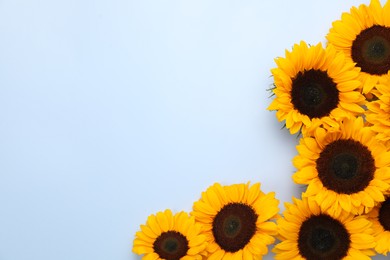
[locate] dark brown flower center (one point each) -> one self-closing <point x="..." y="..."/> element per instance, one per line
<point x="314" y="93"/>
<point x="234" y="226"/>
<point x="345" y="166"/>
<point x="371" y="50"/>
<point x="171" y="245"/>
<point x="384" y="214"/>
<point x="322" y="237"/>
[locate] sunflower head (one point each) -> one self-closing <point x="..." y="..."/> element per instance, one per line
<point x="380" y="218"/>
<point x="315" y="86"/>
<point x="345" y="169"/>
<point x="363" y="35"/>
<point x="170" y="237"/>
<point x="236" y="220"/>
<point x="308" y="232"/>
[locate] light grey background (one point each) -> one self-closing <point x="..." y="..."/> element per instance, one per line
<point x="111" y="110"/>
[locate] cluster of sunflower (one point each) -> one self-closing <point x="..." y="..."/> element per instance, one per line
<point x="337" y="98"/>
<point x="227" y="222"/>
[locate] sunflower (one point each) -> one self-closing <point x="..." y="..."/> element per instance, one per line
<point x="171" y="237"/>
<point x="378" y="113"/>
<point x="380" y="218"/>
<point x="363" y="35"/>
<point x="315" y="86"/>
<point x="235" y="220"/>
<point x="308" y="232"/>
<point x="345" y="168"/>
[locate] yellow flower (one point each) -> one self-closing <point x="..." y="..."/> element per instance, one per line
<point x="345" y="168"/>
<point x="308" y="232"/>
<point x="315" y="86"/>
<point x="378" y="112"/>
<point x="171" y="237"/>
<point x="235" y="220"/>
<point x="363" y="35"/>
<point x="380" y="218"/>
